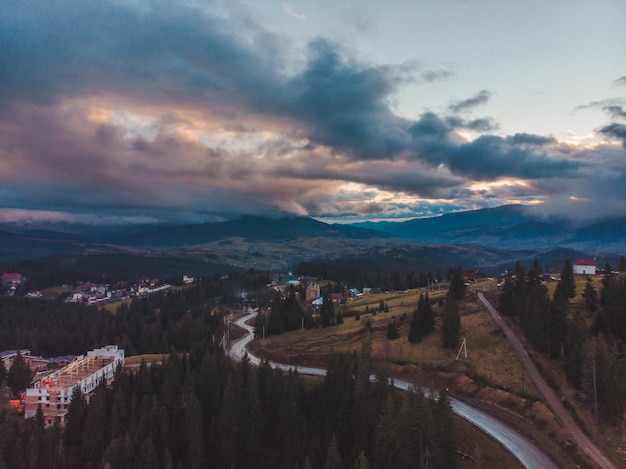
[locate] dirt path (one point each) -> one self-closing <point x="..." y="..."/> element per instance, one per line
<point x="553" y="401"/>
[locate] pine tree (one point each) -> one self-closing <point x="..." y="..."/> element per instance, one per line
<point x="195" y="453"/>
<point x="451" y="324"/>
<point x="590" y="296"/>
<point x="456" y="290"/>
<point x="333" y="458"/>
<point x="604" y="380"/>
<point x="94" y="436"/>
<point x="574" y="349"/>
<point x="328" y="312"/>
<point x="392" y="330"/>
<point x="556" y="322"/>
<point x="567" y="281"/>
<point x="3" y="374"/>
<point x="19" y="375"/>
<point x="148" y="457"/>
<point x="427" y="318"/>
<point x="414" y="329"/>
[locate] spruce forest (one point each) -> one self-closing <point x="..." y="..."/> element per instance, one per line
<point x="198" y="409"/>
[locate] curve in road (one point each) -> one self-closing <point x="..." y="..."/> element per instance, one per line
<point x="526" y="452"/>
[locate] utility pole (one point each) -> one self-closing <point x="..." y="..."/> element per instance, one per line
<point x="462" y="347"/>
<point x="593" y="365"/>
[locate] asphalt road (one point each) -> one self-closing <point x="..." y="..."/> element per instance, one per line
<point x="524" y="450"/>
<point x="551" y="399"/>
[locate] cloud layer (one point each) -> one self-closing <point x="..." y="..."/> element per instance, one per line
<point x="124" y="108"/>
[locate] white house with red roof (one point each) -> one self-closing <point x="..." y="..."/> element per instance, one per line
<point x="585" y="266"/>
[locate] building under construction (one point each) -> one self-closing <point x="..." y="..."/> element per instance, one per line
<point x="54" y="391"/>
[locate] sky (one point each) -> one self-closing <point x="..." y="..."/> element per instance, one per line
<point x="134" y="111"/>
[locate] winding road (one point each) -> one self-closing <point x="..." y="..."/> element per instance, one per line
<point x="550" y="397"/>
<point x="524" y="450"/>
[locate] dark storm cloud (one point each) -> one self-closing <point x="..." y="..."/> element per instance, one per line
<point x="344" y="105"/>
<point x="181" y="55"/>
<point x="331" y="111"/>
<point x="470" y="103"/>
<point x="154" y="51"/>
<point x="615" y="130"/>
<point x="489" y="156"/>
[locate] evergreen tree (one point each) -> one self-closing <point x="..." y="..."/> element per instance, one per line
<point x="556" y="322"/>
<point x="195" y="453"/>
<point x="3" y="374"/>
<point x="275" y="323"/>
<point x="339" y="318"/>
<point x="567" y="281"/>
<point x="614" y="305"/>
<point x="451" y="324"/>
<point x="422" y="320"/>
<point x="328" y="312"/>
<point x="514" y="296"/>
<point x="604" y="380"/>
<point x="574" y="349"/>
<point x="426" y="317"/>
<point x="392" y="330"/>
<point x="456" y="290"/>
<point x="96" y="425"/>
<point x="148" y="457"/>
<point x="444" y="434"/>
<point x="590" y="296"/>
<point x="536" y="314"/>
<point x="19" y="375"/>
<point x="414" y="327"/>
<point x="333" y="458"/>
<point x="260" y="324"/>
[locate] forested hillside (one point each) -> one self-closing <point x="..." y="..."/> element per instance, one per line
<point x="201" y="411"/>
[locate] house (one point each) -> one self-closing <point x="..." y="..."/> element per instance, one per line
<point x="35" y="363"/>
<point x="54" y="391"/>
<point x="12" y="279"/>
<point x="7" y="356"/>
<point x="293" y="280"/>
<point x="585" y="266"/>
<point x="337" y="298"/>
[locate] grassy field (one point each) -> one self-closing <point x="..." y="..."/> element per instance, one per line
<point x="490" y="359"/>
<point x="147" y="358"/>
<point x="491" y="372"/>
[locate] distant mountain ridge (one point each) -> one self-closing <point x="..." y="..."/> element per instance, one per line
<point x="512" y="227"/>
<point x="486" y="239"/>
<point x="248" y="227"/>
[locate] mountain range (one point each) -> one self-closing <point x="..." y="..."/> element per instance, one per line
<point x="489" y="239"/>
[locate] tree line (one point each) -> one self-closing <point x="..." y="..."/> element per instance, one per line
<point x="589" y="344"/>
<point x="373" y="275"/>
<point x="151" y="324"/>
<point x="200" y="410"/>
